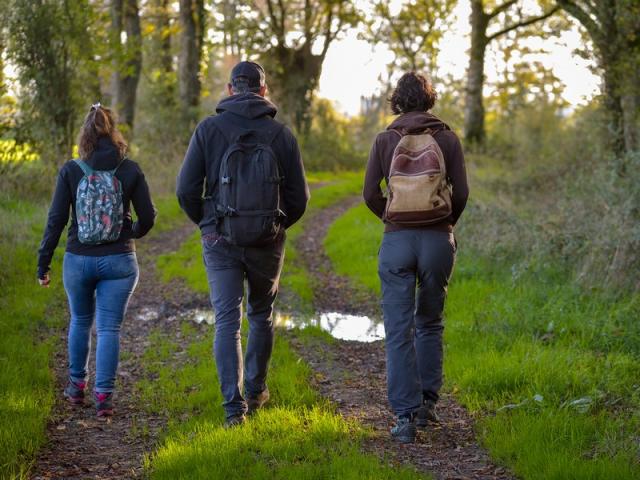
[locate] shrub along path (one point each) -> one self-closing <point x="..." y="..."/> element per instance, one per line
<point x="352" y="374"/>
<point x="81" y="446"/>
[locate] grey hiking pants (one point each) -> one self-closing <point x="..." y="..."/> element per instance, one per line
<point x="227" y="268"/>
<point x="413" y="321"/>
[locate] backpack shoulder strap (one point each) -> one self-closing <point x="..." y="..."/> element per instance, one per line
<point x="279" y="128"/>
<point x="113" y="172"/>
<point x="86" y="169"/>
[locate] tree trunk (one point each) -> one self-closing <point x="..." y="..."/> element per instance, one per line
<point x="133" y="63"/>
<point x="163" y="38"/>
<point x="125" y="17"/>
<point x="630" y="102"/>
<point x="474" y="108"/>
<point x="294" y="93"/>
<point x="192" y="31"/>
<point x="116" y="50"/>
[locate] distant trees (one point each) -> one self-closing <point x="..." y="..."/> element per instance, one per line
<point x="481" y="19"/>
<point x="614" y="28"/>
<point x="413" y="33"/>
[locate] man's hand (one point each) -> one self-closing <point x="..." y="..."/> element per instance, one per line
<point x="44" y="282"/>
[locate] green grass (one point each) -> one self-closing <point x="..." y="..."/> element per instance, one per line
<point x="299" y="435"/>
<point x="28" y="312"/>
<point x="550" y="370"/>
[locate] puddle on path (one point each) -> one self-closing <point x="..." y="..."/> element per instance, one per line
<point x="339" y="325"/>
<point x="198" y="315"/>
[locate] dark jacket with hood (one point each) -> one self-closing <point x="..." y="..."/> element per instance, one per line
<point x="134" y="190"/>
<point x="380" y="162"/>
<point x="198" y="176"/>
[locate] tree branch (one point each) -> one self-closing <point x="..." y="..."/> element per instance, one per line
<point x="499" y="9"/>
<point x="274" y="24"/>
<point x="523" y="23"/>
<point x="585" y="19"/>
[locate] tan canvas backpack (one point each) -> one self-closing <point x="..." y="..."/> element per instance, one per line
<point x="419" y="192"/>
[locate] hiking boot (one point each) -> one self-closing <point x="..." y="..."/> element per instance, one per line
<point x="74" y="392"/>
<point x="255" y="402"/>
<point x="235" y="420"/>
<point x="426" y="413"/>
<point x="405" y="429"/>
<point x="104" y="404"/>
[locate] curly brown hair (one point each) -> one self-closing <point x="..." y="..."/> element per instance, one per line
<point x="99" y="122"/>
<point x="413" y="93"/>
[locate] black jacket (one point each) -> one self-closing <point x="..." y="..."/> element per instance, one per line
<point x="134" y="190"/>
<point x="199" y="173"/>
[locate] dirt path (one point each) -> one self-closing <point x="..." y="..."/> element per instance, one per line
<point x="352" y="374"/>
<point x="82" y="446"/>
<point x="332" y="292"/>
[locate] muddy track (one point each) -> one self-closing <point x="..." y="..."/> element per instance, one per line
<point x="82" y="446"/>
<point x="352" y="375"/>
<point x="332" y="292"/>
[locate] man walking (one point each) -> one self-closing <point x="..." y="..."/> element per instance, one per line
<point x="242" y="181"/>
<point x="422" y="162"/>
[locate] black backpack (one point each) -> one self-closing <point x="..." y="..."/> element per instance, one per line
<point x="248" y="189"/>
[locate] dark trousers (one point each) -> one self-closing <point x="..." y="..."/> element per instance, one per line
<point x="227" y="268"/>
<point x="413" y="321"/>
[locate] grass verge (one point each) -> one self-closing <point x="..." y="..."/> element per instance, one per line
<point x="551" y="370"/>
<point x="28" y="312"/>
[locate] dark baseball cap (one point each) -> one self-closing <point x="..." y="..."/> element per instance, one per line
<point x="248" y="75"/>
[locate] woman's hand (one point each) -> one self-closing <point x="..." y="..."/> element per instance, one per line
<point x="44" y="281"/>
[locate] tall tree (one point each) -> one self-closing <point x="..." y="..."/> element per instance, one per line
<point x="614" y="28"/>
<point x="125" y="19"/>
<point x="413" y="34"/>
<point x="291" y="38"/>
<point x="192" y="27"/>
<point x="481" y="19"/>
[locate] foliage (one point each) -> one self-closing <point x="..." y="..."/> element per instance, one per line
<point x="329" y="143"/>
<point x="52" y="49"/>
<point x="413" y="33"/>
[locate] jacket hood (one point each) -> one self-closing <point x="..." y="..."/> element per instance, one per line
<point x="414" y="122"/>
<point x="106" y="155"/>
<point x="247" y="105"/>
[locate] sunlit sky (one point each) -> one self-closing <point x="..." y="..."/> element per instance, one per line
<point x="353" y="67"/>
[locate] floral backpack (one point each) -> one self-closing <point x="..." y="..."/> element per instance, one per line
<point x="99" y="209"/>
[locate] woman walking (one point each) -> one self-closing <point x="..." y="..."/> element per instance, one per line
<point x="100" y="269"/>
<point x="422" y="162"/>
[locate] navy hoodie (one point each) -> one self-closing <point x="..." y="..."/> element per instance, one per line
<point x="134" y="190"/>
<point x="199" y="172"/>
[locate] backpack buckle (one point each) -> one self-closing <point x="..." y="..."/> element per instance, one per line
<point x="225" y="180"/>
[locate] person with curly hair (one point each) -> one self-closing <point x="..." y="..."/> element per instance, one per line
<point x="422" y="162"/>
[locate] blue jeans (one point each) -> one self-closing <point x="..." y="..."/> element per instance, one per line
<point x="227" y="268"/>
<point x="414" y="323"/>
<point x="100" y="287"/>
